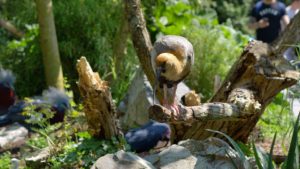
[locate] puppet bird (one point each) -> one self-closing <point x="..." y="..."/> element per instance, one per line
<point x="148" y="136"/>
<point x="172" y="58"/>
<point x="57" y="100"/>
<point x="7" y="92"/>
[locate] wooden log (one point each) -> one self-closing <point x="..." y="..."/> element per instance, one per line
<point x="99" y="108"/>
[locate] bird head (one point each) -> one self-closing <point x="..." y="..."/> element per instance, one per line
<point x="59" y="102"/>
<point x="57" y="98"/>
<point x="172" y="57"/>
<point x="7" y="78"/>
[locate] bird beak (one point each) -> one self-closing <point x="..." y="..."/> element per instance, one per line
<point x="158" y="73"/>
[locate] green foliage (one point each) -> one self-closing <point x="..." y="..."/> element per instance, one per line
<point x="292" y="160"/>
<point x="237" y="11"/>
<point x="70" y="148"/>
<point x="23" y="57"/>
<point x="216" y="46"/>
<point x="263" y="160"/>
<point x="84" y="28"/>
<point x="277" y="117"/>
<point x="83" y="152"/>
<point x="216" y="49"/>
<point x="5" y="160"/>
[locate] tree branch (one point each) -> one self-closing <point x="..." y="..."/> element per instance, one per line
<point x="11" y="28"/>
<point x="290" y="36"/>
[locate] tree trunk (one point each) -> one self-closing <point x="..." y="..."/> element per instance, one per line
<point x="48" y="42"/>
<point x="256" y="77"/>
<point x="120" y="43"/>
<point x="98" y="104"/>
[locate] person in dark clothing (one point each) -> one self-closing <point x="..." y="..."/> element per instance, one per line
<point x="266" y="17"/>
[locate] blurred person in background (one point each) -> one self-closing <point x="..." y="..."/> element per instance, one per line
<point x="266" y="17"/>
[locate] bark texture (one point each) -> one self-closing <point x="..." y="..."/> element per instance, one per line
<point x="290" y="36"/>
<point x="48" y="42"/>
<point x="256" y="77"/>
<point x="98" y="104"/>
<point x="141" y="39"/>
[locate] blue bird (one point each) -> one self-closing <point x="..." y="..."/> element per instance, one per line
<point x="148" y="136"/>
<point x="7" y="92"/>
<point x="56" y="99"/>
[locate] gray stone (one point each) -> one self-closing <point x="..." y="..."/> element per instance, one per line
<point x="38" y="158"/>
<point x="212" y="153"/>
<point x="176" y="157"/>
<point x="138" y="99"/>
<point x="12" y="136"/>
<point x="122" y="160"/>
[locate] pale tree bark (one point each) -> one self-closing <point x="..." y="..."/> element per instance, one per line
<point x="11" y="28"/>
<point x="48" y="42"/>
<point x="98" y="105"/>
<point x="257" y="76"/>
<point x="141" y="39"/>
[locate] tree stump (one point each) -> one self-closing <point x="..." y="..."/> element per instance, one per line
<point x="99" y="108"/>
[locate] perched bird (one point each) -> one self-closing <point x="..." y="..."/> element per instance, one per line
<point x="57" y="100"/>
<point x="7" y="92"/>
<point x="148" y="136"/>
<point x="172" y="58"/>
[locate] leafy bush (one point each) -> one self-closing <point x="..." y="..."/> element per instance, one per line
<point x="5" y="160"/>
<point x="84" y="28"/>
<point x="216" y="49"/>
<point x="23" y="57"/>
<point x="83" y="152"/>
<point x="278" y="117"/>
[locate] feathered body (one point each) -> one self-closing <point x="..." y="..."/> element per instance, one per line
<point x="59" y="102"/>
<point x="7" y="92"/>
<point x="172" y="58"/>
<point x="56" y="99"/>
<point x="147" y="136"/>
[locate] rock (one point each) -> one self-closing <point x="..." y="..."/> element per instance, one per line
<point x="38" y="159"/>
<point x="174" y="156"/>
<point x="139" y="97"/>
<point x="212" y="153"/>
<point x="12" y="136"/>
<point x="121" y="160"/>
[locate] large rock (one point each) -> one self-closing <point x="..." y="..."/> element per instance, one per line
<point x="212" y="153"/>
<point x="12" y="136"/>
<point x="121" y="160"/>
<point x="138" y="99"/>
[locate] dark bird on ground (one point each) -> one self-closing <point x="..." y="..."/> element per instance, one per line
<point x="56" y="100"/>
<point x="7" y="92"/>
<point x="148" y="136"/>
<point x="172" y="58"/>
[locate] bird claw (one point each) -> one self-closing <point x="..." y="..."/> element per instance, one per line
<point x="174" y="110"/>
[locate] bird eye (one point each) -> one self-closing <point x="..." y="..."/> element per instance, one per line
<point x="189" y="57"/>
